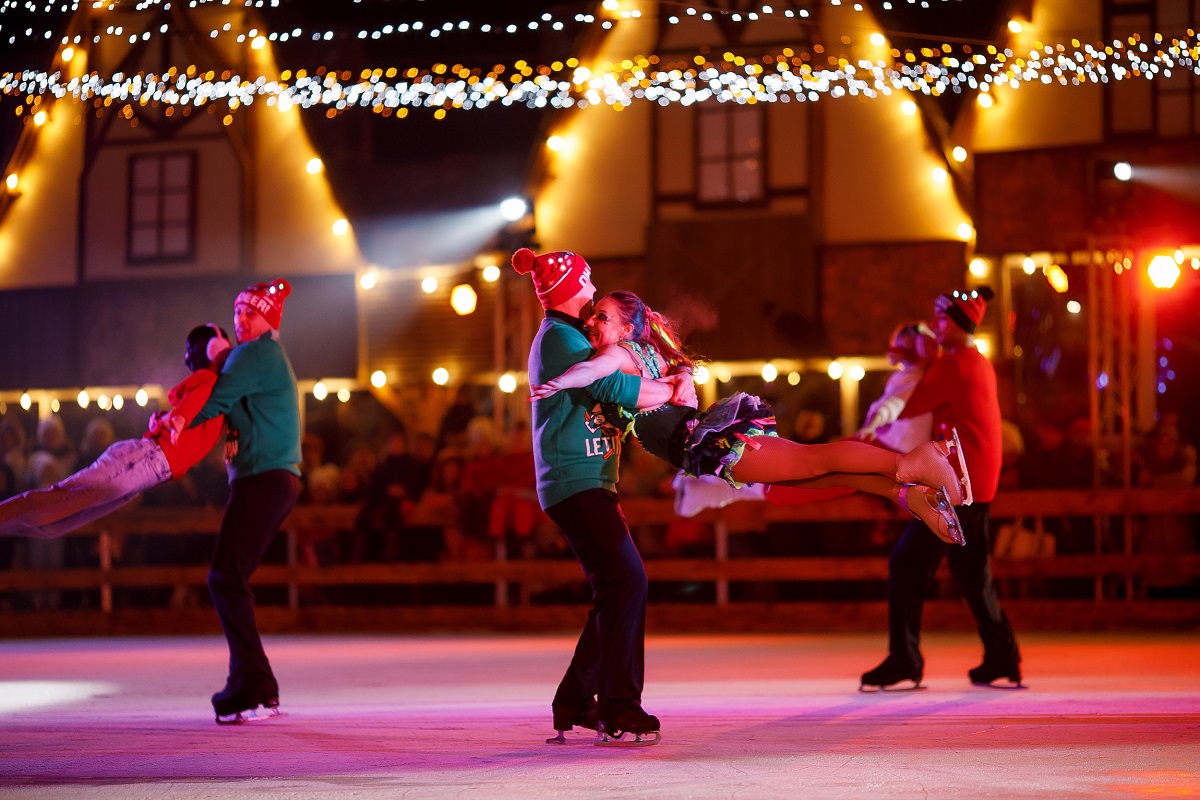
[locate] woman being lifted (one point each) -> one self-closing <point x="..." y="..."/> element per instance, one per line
<point x="735" y="438"/>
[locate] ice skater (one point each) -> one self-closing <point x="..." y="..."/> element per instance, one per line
<point x="735" y="439"/>
<point x="131" y="466"/>
<point x="576" y="450"/>
<point x="256" y="392"/>
<point x="960" y="391"/>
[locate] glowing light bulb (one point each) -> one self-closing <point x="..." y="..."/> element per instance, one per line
<point x="701" y="375"/>
<point x="68" y="53"/>
<point x="340" y="226"/>
<point x="556" y="143"/>
<point x="83" y="399"/>
<point x="769" y="372"/>
<point x="259" y="42"/>
<point x="793" y="379"/>
<point x="507" y="383"/>
<point x="39" y="118"/>
<point x="103" y="402"/>
<point x="314" y="166"/>
<point x="429" y="285"/>
<point x="26" y="401"/>
<point x="12" y="181"/>
<point x="463" y="299"/>
<point x="343" y="395"/>
<point x="1015" y="26"/>
<point x="908" y="107"/>
<point x="978" y="267"/>
<point x="959" y="154"/>
<point x="856" y="372"/>
<point x="1074" y="307"/>
<point x="1122" y="170"/>
<point x="441" y="376"/>
<point x="368" y="280"/>
<point x="965" y="231"/>
<point x="118" y="402"/>
<point x="1163" y="272"/>
<point x="55" y="405"/>
<point x="985" y="100"/>
<point x="1028" y="266"/>
<point x="378" y="379"/>
<point x="141" y="397"/>
<point x="491" y="273"/>
<point x="939" y="175"/>
<point x="320" y="390"/>
<point x="878" y="39"/>
<point x="835" y="369"/>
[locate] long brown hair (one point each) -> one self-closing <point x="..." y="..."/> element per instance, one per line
<point x="650" y="327"/>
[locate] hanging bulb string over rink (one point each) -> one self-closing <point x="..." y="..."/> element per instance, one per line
<point x="786" y="76"/>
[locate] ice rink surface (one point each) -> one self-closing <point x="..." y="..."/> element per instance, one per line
<point x="466" y="716"/>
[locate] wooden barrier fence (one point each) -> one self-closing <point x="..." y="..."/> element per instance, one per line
<point x="1112" y="511"/>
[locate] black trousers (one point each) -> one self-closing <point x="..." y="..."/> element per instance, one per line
<point x="258" y="505"/>
<point x="609" y="659"/>
<point x="911" y="568"/>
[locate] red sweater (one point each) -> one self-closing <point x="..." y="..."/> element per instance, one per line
<point x="188" y="397"/>
<point x="960" y="390"/>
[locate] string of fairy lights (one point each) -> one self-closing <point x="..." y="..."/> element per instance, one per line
<point x="785" y="76"/>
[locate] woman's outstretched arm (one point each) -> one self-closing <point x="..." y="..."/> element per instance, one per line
<point x="607" y="360"/>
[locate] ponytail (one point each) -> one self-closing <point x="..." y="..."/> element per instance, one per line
<point x="662" y="335"/>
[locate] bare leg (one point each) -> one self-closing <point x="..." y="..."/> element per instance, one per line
<point x="783" y="461"/>
<point x="871" y="484"/>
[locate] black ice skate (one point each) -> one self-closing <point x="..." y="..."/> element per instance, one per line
<point x="987" y="673"/>
<point x="640" y="728"/>
<point x="241" y="698"/>
<point x="892" y="676"/>
<point x="567" y="718"/>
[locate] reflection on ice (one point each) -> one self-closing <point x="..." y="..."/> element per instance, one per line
<point x="25" y="695"/>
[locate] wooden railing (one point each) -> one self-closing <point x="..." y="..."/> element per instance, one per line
<point x="1112" y="511"/>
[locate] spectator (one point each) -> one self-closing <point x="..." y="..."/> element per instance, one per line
<point x="453" y="428"/>
<point x="1166" y="462"/>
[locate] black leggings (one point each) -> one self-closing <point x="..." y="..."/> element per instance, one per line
<point x="609" y="659"/>
<point x="258" y="505"/>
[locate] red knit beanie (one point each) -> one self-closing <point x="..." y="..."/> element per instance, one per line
<point x="557" y="277"/>
<point x="267" y="299"/>
<point x="965" y="308"/>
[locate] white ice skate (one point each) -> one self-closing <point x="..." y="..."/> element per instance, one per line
<point x="626" y="739"/>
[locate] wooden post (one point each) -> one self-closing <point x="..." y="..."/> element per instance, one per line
<point x="721" y="537"/>
<point x="106" y="603"/>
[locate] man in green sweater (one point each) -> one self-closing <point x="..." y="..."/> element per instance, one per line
<point x="576" y="447"/>
<point x="256" y="391"/>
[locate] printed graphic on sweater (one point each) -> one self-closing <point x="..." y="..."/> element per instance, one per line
<point x="608" y="443"/>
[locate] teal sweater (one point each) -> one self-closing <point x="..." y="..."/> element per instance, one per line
<point x="256" y="391"/>
<point x="574" y="449"/>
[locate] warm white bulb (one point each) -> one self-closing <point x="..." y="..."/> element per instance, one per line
<point x="908" y="107"/>
<point x="378" y="379"/>
<point x="259" y="42"/>
<point x="878" y="39"/>
<point x="959" y="154"/>
<point x="1074" y="307"/>
<point x="340" y="226"/>
<point x="367" y="281"/>
<point x="513" y="209"/>
<point x="1028" y="266"/>
<point x="1123" y="171"/>
<point x="441" y="376"/>
<point x="793" y="379"/>
<point x="314" y="166"/>
<point x="463" y="299"/>
<point x="343" y="395"/>
<point x="701" y="375"/>
<point x="985" y="100"/>
<point x="555" y="143"/>
<point x="26" y="401"/>
<point x="939" y="175"/>
<point x="12" y="181"/>
<point x="118" y="402"/>
<point x="965" y="231"/>
<point x="83" y="398"/>
<point x="39" y="118"/>
<point x="1015" y="26"/>
<point x="320" y="390"/>
<point x="429" y="285"/>
<point x="507" y="383"/>
<point x="141" y="397"/>
<point x="491" y="273"/>
<point x="856" y="372"/>
<point x="978" y="267"/>
<point x="769" y="372"/>
<point x="835" y="369"/>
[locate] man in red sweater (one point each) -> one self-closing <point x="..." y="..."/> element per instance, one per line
<point x="960" y="390"/>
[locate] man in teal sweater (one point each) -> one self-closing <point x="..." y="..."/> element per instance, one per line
<point x="576" y="447"/>
<point x="256" y="391"/>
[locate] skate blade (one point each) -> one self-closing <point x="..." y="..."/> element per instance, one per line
<point x="956" y="532"/>
<point x="261" y="714"/>
<point x="636" y="739"/>
<point x="965" y="478"/>
<point x="914" y="686"/>
<point x="1008" y="686"/>
<point x="561" y="738"/>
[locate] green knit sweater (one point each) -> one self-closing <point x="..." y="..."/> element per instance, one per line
<point x="256" y="391"/>
<point x="574" y="447"/>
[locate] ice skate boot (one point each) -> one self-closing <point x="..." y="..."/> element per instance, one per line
<point x="567" y="718"/>
<point x="632" y="727"/>
<point x="933" y="464"/>
<point x="241" y="698"/>
<point x="934" y="510"/>
<point x="987" y="673"/>
<point x="888" y="676"/>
